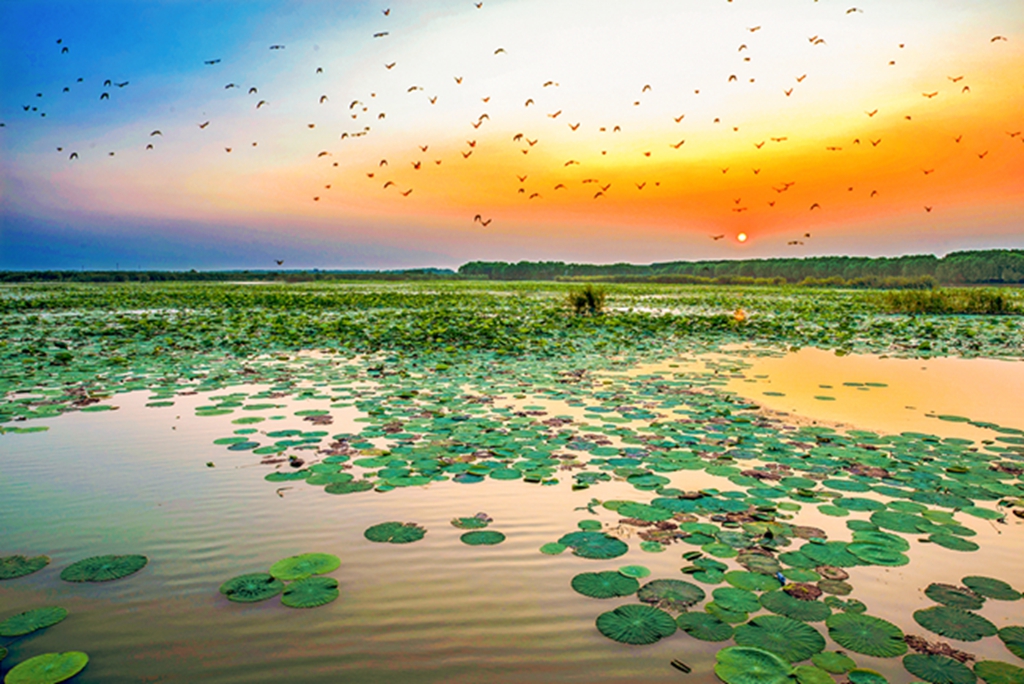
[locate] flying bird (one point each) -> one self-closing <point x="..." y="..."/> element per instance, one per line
<point x="380" y="35"/>
<point x="928" y="209"/>
<point x="500" y="50"/>
<point x="954" y="79"/>
<point x="815" y="206"/>
<point x="788" y="92"/>
<point x="279" y="262"/>
<point x="549" y="83"/>
<point x="156" y="132"/>
<point x="995" y="38"/>
<point x="555" y="115"/>
<point x="74" y="155"/>
<point x="204" y="124"/>
<point x="105" y="96"/>
<point x="872" y="113"/>
<point x="323" y="98"/>
<point x="211" y="62"/>
<point x="465" y="155"/>
<point x="522" y="179"/>
<point x="458" y="79"/>
<point x="645" y="88"/>
<point x="529" y="102"/>
<point x="253" y="90"/>
<point x="679" y="118"/>
<point x="574" y="126"/>
<point x="930" y="95"/>
<point x="390" y="66"/>
<point x="983" y="154"/>
<point x="677" y="145"/>
<point x="277" y="47"/>
<point x="388" y="184"/>
<point x="260" y="103"/>
<point x="386" y="11"/>
<point x="716" y="237"/>
<point x="874" y="143"/>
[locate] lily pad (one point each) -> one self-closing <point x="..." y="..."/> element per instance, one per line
<point x="957" y="597"/>
<point x="788" y="638"/>
<point x="19" y="566"/>
<point x="670" y="594"/>
<point x="482" y="538"/>
<point x="996" y="672"/>
<point x="861" y="675"/>
<point x="395" y="533"/>
<point x="305" y="565"/>
<point x="748" y="665"/>
<point x="833" y="661"/>
<point x="310" y="592"/>
<point x="809" y="674"/>
<point x="704" y="626"/>
<point x="103" y="568"/>
<point x="751" y="581"/>
<point x="605" y="584"/>
<point x="253" y="587"/>
<point x="31" y="621"/>
<point x="636" y="624"/>
<point x="471" y="523"/>
<point x="635" y="571"/>
<point x="866" y="634"/>
<point x="596" y="545"/>
<point x="805" y="611"/>
<point x="48" y="668"/>
<point x="938" y="669"/>
<point x="1013" y="637"/>
<point x="954" y="623"/>
<point x="991" y="588"/>
<point x="552" y="548"/>
<point x="738" y="600"/>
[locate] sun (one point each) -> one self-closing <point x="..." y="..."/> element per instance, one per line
<point x="742" y="237"/>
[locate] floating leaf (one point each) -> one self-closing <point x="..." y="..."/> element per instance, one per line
<point x="746" y="665"/>
<point x="1013" y="637"/>
<point x="482" y="538"/>
<point x="310" y="592"/>
<point x="751" y="581"/>
<point x="809" y="674"/>
<point x="31" y="621"/>
<point x="938" y="669"/>
<point x="991" y="588"/>
<point x="952" y="542"/>
<point x="738" y="600"/>
<point x="876" y="554"/>
<point x="48" y="668"/>
<point x="553" y="548"/>
<point x="19" y="566"/>
<point x="704" y="626"/>
<point x="954" y="623"/>
<point x="830" y="553"/>
<point x="103" y="568"/>
<point x="805" y="611"/>
<point x="833" y="661"/>
<point x="793" y="640"/>
<point x="957" y="597"/>
<point x="349" y="487"/>
<point x="472" y="523"/>
<point x="605" y="584"/>
<point x="671" y="594"/>
<point x="395" y="532"/>
<point x="253" y="587"/>
<point x="636" y="624"/>
<point x="300" y="567"/>
<point x="995" y="672"/>
<point x="864" y="676"/>
<point x="597" y="545"/>
<point x="635" y="571"/>
<point x="866" y="634"/>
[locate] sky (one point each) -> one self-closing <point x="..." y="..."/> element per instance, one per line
<point x="228" y="134"/>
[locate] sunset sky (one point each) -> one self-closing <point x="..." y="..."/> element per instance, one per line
<point x="878" y="127"/>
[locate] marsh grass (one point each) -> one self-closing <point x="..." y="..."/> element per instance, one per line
<point x="951" y="301"/>
<point x="587" y="301"/>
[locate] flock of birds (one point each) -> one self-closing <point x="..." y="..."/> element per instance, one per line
<point x="359" y="110"/>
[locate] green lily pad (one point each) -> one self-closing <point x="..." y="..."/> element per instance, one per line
<point x="737" y="600"/>
<point x="670" y="594"/>
<point x="748" y="665"/>
<point x="788" y="638"/>
<point x="780" y="602"/>
<point x="31" y="621"/>
<point x="482" y="538"/>
<point x="635" y="571"/>
<point x="395" y="532"/>
<point x="938" y="669"/>
<point x="636" y="624"/>
<point x="305" y="565"/>
<point x="833" y="661"/>
<point x="1013" y="637"/>
<point x="349" y="487"/>
<point x="704" y="626"/>
<point x="991" y="588"/>
<point x="310" y="592"/>
<point x="751" y="581"/>
<point x="809" y="674"/>
<point x="954" y="623"/>
<point x="48" y="668"/>
<point x="876" y="554"/>
<point x="605" y="584"/>
<point x="861" y="675"/>
<point x="253" y="587"/>
<point x="19" y="566"/>
<point x="952" y="542"/>
<point x="471" y="523"/>
<point x="552" y="548"/>
<point x="103" y="568"/>
<point x="596" y="545"/>
<point x="996" y="672"/>
<point x="866" y="634"/>
<point x="957" y="597"/>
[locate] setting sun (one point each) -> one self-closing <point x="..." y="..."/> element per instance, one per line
<point x="742" y="237"/>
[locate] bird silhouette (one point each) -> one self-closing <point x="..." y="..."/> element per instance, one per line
<point x="277" y="47"/>
<point x="982" y="155"/>
<point x="260" y="103"/>
<point x="407" y="192"/>
<point x="574" y="126"/>
<point x="253" y="90"/>
<point x="323" y="98"/>
<point x="279" y="262"/>
<point x="386" y="11"/>
<point x="815" y="206"/>
<point x="156" y="132"/>
<point x="928" y="209"/>
<point x="465" y="155"/>
<point x="995" y="38"/>
<point x="930" y="95"/>
<point x="788" y="92"/>
<point x="678" y="144"/>
<point x="716" y="237"/>
<point x="211" y="62"/>
<point x="74" y="155"/>
<point x="105" y="96"/>
<point x="529" y="102"/>
<point x="380" y="35"/>
<point x="522" y="179"/>
<point x="204" y="124"/>
<point x="800" y="79"/>
<point x="555" y="115"/>
<point x="874" y="143"/>
<point x="458" y="80"/>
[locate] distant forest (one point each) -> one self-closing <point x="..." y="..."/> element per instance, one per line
<point x="989" y="267"/>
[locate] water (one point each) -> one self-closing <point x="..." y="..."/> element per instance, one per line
<point x="135" y="480"/>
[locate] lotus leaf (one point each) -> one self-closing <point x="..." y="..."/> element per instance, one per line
<point x="597" y="545"/>
<point x="482" y="538"/>
<point x="300" y="567"/>
<point x="48" y="668"/>
<point x="809" y="674"/>
<point x="670" y="594"/>
<point x="954" y="623"/>
<point x="310" y="592"/>
<point x="643" y="512"/>
<point x="635" y="571"/>
<point x="894" y="541"/>
<point x="957" y="597"/>
<point x="866" y="634"/>
<point x="704" y="626"/>
<point x="349" y="487"/>
<point x="788" y="638"/>
<point x="19" y="566"/>
<point x="837" y="587"/>
<point x="733" y="617"/>
<point x="953" y="543"/>
<point x="938" y="669"/>
<point x="552" y="548"/>
<point x="805" y="611"/>
<point x="103" y="568"/>
<point x="833" y="661"/>
<point x="738" y="600"/>
<point x="864" y="676"/>
<point x="900" y="522"/>
<point x="760" y="563"/>
<point x="995" y="672"/>
<point x="605" y="584"/>
<point x="851" y="606"/>
<point x="32" y="620"/>
<point x="253" y="587"/>
<point x="636" y="624"/>
<point x="751" y="581"/>
<point x="1013" y="638"/>
<point x="876" y="554"/>
<point x="395" y="532"/>
<point x="830" y="553"/>
<point x="991" y="588"/>
<point x="747" y="665"/>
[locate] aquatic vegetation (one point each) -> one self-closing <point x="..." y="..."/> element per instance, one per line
<point x="596" y="545"/>
<point x="305" y="565"/>
<point x="482" y="538"/>
<point x="787" y="638"/>
<point x="956" y="597"/>
<point x="833" y="661"/>
<point x="748" y="665"/>
<point x="252" y="587"/>
<point x="103" y="568"/>
<point x="310" y="592"/>
<point x="31" y="621"/>
<point x="991" y="588"/>
<point x="19" y="566"/>
<point x="588" y="300"/>
<point x="604" y="584"/>
<point x="636" y="624"/>
<point x="954" y="623"/>
<point x="1013" y="637"/>
<point x="996" y="672"/>
<point x="704" y="626"/>
<point x="938" y="669"/>
<point x="866" y="634"/>
<point x="395" y="533"/>
<point x="48" y="668"/>
<point x="670" y="594"/>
